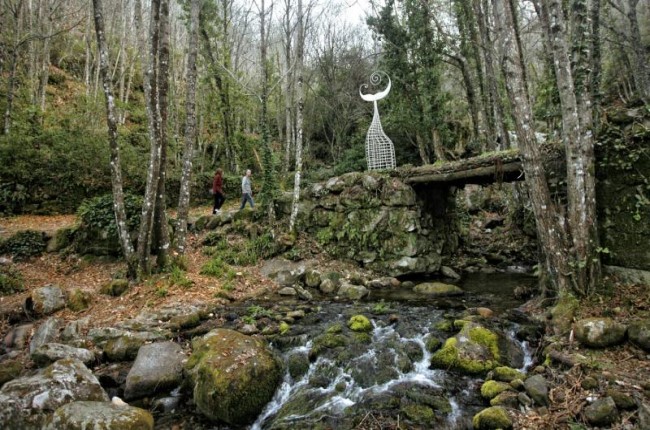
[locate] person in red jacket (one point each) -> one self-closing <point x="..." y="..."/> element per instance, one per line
<point x="217" y="190"/>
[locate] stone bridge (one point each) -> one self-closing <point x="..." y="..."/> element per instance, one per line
<point x="402" y="221"/>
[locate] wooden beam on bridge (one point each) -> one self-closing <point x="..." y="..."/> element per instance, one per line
<point x="479" y="175"/>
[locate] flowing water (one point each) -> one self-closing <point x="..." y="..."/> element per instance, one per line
<point x="386" y="376"/>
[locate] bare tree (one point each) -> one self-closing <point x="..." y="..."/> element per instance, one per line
<point x="116" y="169"/>
<point x="190" y="129"/>
<point x="300" y="95"/>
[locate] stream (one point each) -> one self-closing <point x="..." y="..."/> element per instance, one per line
<point x="384" y="376"/>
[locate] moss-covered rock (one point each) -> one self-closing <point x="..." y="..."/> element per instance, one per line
<point x="419" y="414"/>
<point x="233" y="375"/>
<point x="438" y="289"/>
<point x="490" y="389"/>
<point x="122" y="348"/>
<point x="115" y="288"/>
<point x="473" y="351"/>
<point x="492" y="418"/>
<point x="506" y="374"/>
<point x="9" y="369"/>
<point x="185" y="321"/>
<point x="599" y="332"/>
<point x="100" y="415"/>
<point x="563" y="313"/>
<point x="78" y="300"/>
<point x="360" y="323"/>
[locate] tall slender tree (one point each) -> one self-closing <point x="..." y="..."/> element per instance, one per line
<point x="190" y="129"/>
<point x="116" y="169"/>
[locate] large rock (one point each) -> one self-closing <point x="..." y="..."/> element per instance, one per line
<point x="46" y="300"/>
<point x="51" y="352"/>
<point x="537" y="388"/>
<point x="27" y="403"/>
<point x="158" y="367"/>
<point x="601" y="412"/>
<point x="475" y="350"/>
<point x="86" y="415"/>
<point x="45" y="333"/>
<point x="286" y="273"/>
<point x="599" y="332"/>
<point x="438" y="289"/>
<point x="492" y="418"/>
<point x="639" y="334"/>
<point x="352" y="292"/>
<point x="234" y="376"/>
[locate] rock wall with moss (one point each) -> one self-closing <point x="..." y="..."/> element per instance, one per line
<point x="623" y="190"/>
<point x="380" y="222"/>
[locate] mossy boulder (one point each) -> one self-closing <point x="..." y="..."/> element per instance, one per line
<point x="78" y="300"/>
<point x="419" y="414"/>
<point x="490" y="389"/>
<point x="115" y="288"/>
<point x="599" y="332"/>
<point x="506" y="374"/>
<point x="438" y="289"/>
<point x="639" y="334"/>
<point x="360" y="323"/>
<point x="100" y="415"/>
<point x="9" y="369"/>
<point x="601" y="413"/>
<point x="474" y="350"/>
<point x="234" y="376"/>
<point x="492" y="418"/>
<point x="27" y="403"/>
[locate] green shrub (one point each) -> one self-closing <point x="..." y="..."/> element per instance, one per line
<point x="10" y="281"/>
<point x="24" y="244"/>
<point x="97" y="213"/>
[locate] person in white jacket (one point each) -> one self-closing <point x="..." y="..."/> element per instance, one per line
<point x="246" y="190"/>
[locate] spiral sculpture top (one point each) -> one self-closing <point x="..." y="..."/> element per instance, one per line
<point x="375" y="79"/>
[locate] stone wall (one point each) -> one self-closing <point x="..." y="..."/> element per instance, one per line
<point x="380" y="222"/>
<point x="623" y="188"/>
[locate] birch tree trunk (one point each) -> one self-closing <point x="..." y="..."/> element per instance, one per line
<point x="160" y="238"/>
<point x="579" y="145"/>
<point x="549" y="220"/>
<point x="288" y="97"/>
<point x="300" y="94"/>
<point x="190" y="129"/>
<point x="11" y="80"/>
<point x="116" y="170"/>
<point x="150" y="68"/>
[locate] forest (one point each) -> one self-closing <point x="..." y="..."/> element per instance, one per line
<point x="497" y="277"/>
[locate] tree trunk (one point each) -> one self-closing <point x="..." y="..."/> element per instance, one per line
<point x="300" y="49"/>
<point x="116" y="170"/>
<point x="190" y="129"/>
<point x="150" y="68"/>
<point x="642" y="70"/>
<point x="548" y="217"/>
<point x="160" y="238"/>
<point x="11" y="80"/>
<point x="579" y="147"/>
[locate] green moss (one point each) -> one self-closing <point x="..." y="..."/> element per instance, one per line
<point x="507" y="374"/>
<point x="284" y="327"/>
<point x="115" y="288"/>
<point x="9" y="370"/>
<point x="494" y="417"/>
<point x="179" y="322"/>
<point x="364" y="338"/>
<point x="78" y="300"/>
<point x="490" y="389"/>
<point x="433" y="344"/>
<point x="335" y="328"/>
<point x="444" y="325"/>
<point x="360" y="323"/>
<point x="449" y="357"/>
<point x="485" y="337"/>
<point x="459" y="324"/>
<point x="419" y="413"/>
<point x="563" y="313"/>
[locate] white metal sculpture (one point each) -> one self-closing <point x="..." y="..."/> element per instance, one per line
<point x="380" y="152"/>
